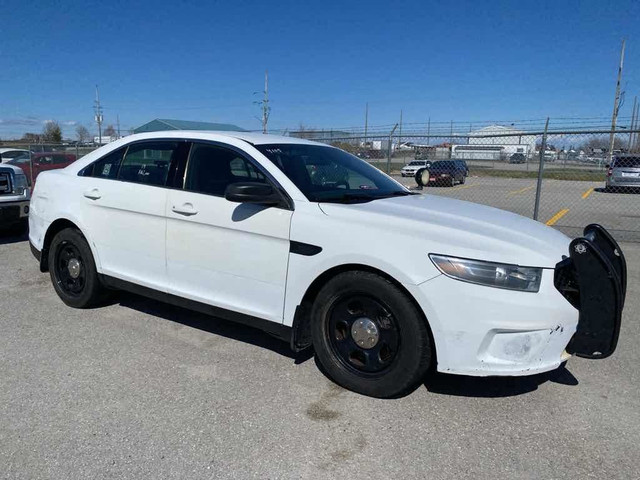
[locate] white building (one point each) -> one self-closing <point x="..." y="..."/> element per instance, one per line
<point x="495" y="142"/>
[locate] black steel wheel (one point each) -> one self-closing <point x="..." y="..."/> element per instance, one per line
<point x="73" y="270"/>
<point x="363" y="334"/>
<point x="71" y="274"/>
<point x="369" y="336"/>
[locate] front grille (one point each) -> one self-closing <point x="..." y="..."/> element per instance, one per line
<point x="5" y="183"/>
<point x="566" y="281"/>
<point x="9" y="213"/>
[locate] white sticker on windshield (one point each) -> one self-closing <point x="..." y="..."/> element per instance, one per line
<point x="106" y="169"/>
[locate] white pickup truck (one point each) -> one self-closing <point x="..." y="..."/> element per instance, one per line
<point x="14" y="196"/>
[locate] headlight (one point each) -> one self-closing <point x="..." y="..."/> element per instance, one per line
<point x="499" y="275"/>
<point x="21" y="184"/>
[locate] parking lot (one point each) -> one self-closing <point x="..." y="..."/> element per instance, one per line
<point x="140" y="389"/>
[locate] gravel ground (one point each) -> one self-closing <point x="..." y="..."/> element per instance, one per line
<point x="139" y="389"/>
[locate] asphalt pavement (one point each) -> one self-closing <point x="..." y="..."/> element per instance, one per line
<point x="139" y="389"/>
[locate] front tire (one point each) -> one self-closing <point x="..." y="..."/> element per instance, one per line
<point x="369" y="337"/>
<point x="73" y="270"/>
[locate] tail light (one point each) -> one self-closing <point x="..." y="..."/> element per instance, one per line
<point x="609" y="172"/>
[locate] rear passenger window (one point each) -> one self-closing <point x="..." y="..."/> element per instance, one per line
<point x="106" y="167"/>
<point x="148" y="163"/>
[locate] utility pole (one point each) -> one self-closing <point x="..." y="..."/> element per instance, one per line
<point x="400" y="132"/>
<point x="635" y="127"/>
<point x="118" y="123"/>
<point x="265" y="103"/>
<point x="633" y="122"/>
<point x="429" y="131"/>
<point x="98" y="115"/>
<point x="616" y="104"/>
<point x="366" y="123"/>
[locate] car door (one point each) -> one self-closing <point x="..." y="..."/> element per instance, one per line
<point x="226" y="254"/>
<point x="124" y="210"/>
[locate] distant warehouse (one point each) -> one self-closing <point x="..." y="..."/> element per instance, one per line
<point x="495" y="142"/>
<point x="161" y="124"/>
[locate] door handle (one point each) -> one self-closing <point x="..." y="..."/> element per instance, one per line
<point x="186" y="209"/>
<point x="93" y="194"/>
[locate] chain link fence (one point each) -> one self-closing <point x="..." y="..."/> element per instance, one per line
<point x="566" y="179"/>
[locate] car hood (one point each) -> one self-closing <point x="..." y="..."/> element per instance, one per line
<point x="458" y="228"/>
<point x="7" y="166"/>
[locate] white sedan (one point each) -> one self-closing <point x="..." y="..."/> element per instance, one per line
<point x="318" y="247"/>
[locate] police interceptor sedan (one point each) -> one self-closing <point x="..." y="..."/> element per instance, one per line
<point x="316" y="246"/>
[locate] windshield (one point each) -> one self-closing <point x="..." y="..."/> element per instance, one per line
<point x="416" y="163"/>
<point x="627" y="162"/>
<point x="14" y="155"/>
<point x="327" y="174"/>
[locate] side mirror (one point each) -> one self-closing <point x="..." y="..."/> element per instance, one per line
<point x="252" y="192"/>
<point x="607" y="166"/>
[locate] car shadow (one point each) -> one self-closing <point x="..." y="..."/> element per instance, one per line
<point x="8" y="236"/>
<point x="494" y="387"/>
<point x="210" y="324"/>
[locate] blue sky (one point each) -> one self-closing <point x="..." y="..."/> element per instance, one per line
<point x="460" y="60"/>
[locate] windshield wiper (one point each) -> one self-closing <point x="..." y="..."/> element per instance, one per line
<point x="350" y="198"/>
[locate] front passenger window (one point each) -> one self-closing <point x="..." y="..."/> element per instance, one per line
<point x="211" y="169"/>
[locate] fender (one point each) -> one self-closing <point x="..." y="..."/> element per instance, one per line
<point x="67" y="218"/>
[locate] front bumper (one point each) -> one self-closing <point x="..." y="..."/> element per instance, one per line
<point x="484" y="331"/>
<point x="13" y="212"/>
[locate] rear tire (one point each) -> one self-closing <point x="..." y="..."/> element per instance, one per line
<point x="73" y="270"/>
<point x="351" y="311"/>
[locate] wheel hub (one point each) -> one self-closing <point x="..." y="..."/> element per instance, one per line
<point x="365" y="333"/>
<point x="74" y="268"/>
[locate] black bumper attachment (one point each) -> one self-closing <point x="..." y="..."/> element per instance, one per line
<point x="594" y="280"/>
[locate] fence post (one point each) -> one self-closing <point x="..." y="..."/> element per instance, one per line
<point x="389" y="150"/>
<point x="543" y="147"/>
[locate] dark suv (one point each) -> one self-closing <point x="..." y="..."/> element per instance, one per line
<point x="444" y="172"/>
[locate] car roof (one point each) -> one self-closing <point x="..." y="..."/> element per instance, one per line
<point x="254" y="138"/>
<point x="4" y="150"/>
<point x="43" y="154"/>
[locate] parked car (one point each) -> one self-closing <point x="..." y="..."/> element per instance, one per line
<point x="517" y="158"/>
<point x="412" y="167"/>
<point x="234" y="225"/>
<point x="14" y="196"/>
<point x="43" y="161"/>
<point x="443" y="172"/>
<point x="624" y="172"/>
<point x="7" y="154"/>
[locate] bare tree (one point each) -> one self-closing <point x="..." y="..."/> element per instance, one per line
<point x="109" y="131"/>
<point x="602" y="143"/>
<point x="31" y="137"/>
<point x="83" y="134"/>
<point x="52" y="132"/>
